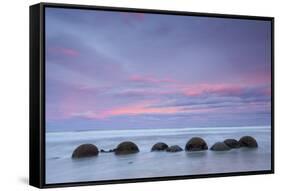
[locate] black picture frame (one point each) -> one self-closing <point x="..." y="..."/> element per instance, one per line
<point x="37" y="94"/>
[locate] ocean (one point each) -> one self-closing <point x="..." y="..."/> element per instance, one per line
<point x="60" y="168"/>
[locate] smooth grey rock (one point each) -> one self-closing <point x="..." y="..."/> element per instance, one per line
<point x="220" y="146"/>
<point x="232" y="143"/>
<point x="174" y="148"/>
<point x="85" y="150"/>
<point x="248" y="141"/>
<point x="159" y="147"/>
<point x="196" y="144"/>
<point x="126" y="147"/>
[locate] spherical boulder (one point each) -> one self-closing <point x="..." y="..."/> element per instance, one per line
<point x="248" y="141"/>
<point x="126" y="147"/>
<point x="85" y="150"/>
<point x="232" y="143"/>
<point x="220" y="146"/>
<point x="159" y="147"/>
<point x="196" y="144"/>
<point x="174" y="148"/>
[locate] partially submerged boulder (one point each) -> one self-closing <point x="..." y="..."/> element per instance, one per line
<point x="220" y="146"/>
<point x="248" y="141"/>
<point x="174" y="148"/>
<point x="232" y="143"/>
<point x="126" y="147"/>
<point x="159" y="147"/>
<point x="196" y="144"/>
<point x="85" y="150"/>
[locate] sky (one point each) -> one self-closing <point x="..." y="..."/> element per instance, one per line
<point x="114" y="70"/>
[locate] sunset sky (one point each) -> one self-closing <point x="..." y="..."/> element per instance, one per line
<point x="111" y="70"/>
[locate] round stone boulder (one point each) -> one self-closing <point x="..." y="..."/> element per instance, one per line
<point x="232" y="143"/>
<point x="85" y="150"/>
<point x="126" y="147"/>
<point x="220" y="146"/>
<point x="174" y="148"/>
<point x="159" y="147"/>
<point x="248" y="141"/>
<point x="196" y="144"/>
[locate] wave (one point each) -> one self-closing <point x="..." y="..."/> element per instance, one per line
<point x="101" y="134"/>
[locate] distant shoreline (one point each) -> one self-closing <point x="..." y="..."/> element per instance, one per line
<point x="169" y="129"/>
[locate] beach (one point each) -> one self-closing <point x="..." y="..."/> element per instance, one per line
<point x="61" y="168"/>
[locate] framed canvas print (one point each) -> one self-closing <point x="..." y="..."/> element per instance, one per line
<point x="121" y="95"/>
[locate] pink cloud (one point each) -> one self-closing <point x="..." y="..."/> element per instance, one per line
<point x="64" y="51"/>
<point x="150" y="79"/>
<point x="132" y="18"/>
<point x="92" y="108"/>
<point x="220" y="89"/>
<point x="135" y="16"/>
<point x="132" y="109"/>
<point x="140" y="108"/>
<point x="231" y="88"/>
<point x="257" y="78"/>
<point x="138" y="16"/>
<point x="171" y="86"/>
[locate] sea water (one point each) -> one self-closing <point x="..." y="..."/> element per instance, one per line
<point x="60" y="168"/>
